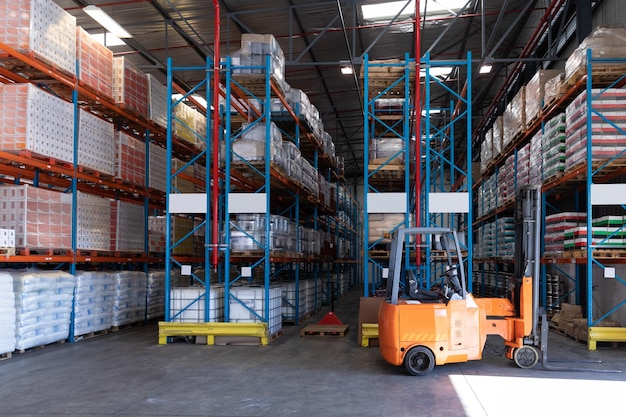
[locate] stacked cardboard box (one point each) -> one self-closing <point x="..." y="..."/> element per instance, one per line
<point x="95" y="64"/>
<point x="41" y="218"/>
<point x="603" y="42"/>
<point x="569" y="313"/>
<point x="514" y="118"/>
<point x="41" y="27"/>
<point x="96" y="146"/>
<point x="180" y="227"/>
<point x="536" y="96"/>
<point x="130" y="86"/>
<point x="157" y="108"/>
<point x="127" y="227"/>
<point x="24" y="109"/>
<point x="93" y="222"/>
<point x="157" y="175"/>
<point x="130" y="158"/>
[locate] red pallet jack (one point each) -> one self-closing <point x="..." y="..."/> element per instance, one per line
<point x="329" y="325"/>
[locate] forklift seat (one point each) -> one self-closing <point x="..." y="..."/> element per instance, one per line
<point x="420" y="294"/>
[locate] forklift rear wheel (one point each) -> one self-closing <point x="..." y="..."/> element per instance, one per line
<point x="419" y="361"/>
<point x="526" y="357"/>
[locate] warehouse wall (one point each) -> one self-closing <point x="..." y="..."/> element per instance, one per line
<point x="610" y="13"/>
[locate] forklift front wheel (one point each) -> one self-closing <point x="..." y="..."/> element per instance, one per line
<point x="526" y="357"/>
<point x="419" y="361"/>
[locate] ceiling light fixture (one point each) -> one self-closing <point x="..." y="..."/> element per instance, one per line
<point x="485" y="69"/>
<point x="106" y="21"/>
<point x="436" y="72"/>
<point x="107" y="39"/>
<point x="346" y="67"/>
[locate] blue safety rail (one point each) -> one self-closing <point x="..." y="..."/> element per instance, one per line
<point x="183" y="226"/>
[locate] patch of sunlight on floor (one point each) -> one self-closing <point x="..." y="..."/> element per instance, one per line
<point x="495" y="396"/>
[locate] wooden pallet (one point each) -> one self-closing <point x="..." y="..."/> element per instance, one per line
<point x="59" y="342"/>
<point x="5" y="356"/>
<point x="596" y="253"/>
<point x="602" y="75"/>
<point x="324" y="330"/>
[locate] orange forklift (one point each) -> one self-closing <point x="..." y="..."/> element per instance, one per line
<point x="421" y="327"/>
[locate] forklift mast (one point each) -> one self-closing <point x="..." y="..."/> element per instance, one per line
<point x="528" y="248"/>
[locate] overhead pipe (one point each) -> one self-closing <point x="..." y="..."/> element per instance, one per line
<point x="215" y="137"/>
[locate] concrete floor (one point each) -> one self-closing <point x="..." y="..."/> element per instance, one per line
<point x="127" y="374"/>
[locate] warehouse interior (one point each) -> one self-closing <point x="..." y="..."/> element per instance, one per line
<point x="200" y="207"/>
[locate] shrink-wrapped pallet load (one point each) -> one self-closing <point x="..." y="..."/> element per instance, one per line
<point x="43" y="303"/>
<point x="7" y="313"/>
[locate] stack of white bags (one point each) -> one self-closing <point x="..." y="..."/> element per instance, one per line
<point x="7" y="314"/>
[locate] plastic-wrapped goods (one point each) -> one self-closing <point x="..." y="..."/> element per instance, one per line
<point x="553" y="147"/>
<point x="535" y="160"/>
<point x="43" y="304"/>
<point x="180" y="183"/>
<point x="247" y="305"/>
<point x="156" y="291"/>
<point x="388" y="151"/>
<point x="93" y="214"/>
<point x="603" y="42"/>
<point x="509" y="169"/>
<point x="189" y="124"/>
<point x="291" y="150"/>
<point x="251" y="57"/>
<point x="130" y="158"/>
<point x="523" y="166"/>
<point x="505" y="236"/>
<point x="514" y="118"/>
<point x="556" y="225"/>
<point x="381" y="225"/>
<point x="41" y="218"/>
<point x="607" y="141"/>
<point x="157" y="174"/>
<point x="93" y="302"/>
<point x="199" y="173"/>
<point x="254" y="150"/>
<point x="498" y="136"/>
<point x="127" y="226"/>
<point x="96" y="145"/>
<point x="130" y="86"/>
<point x="180" y="227"/>
<point x="257" y="132"/>
<point x="536" y="97"/>
<point x="24" y="108"/>
<point x="486" y="151"/>
<point x="95" y="64"/>
<point x="41" y="27"/>
<point x="129" y="299"/>
<point x="157" y="96"/>
<point x="7" y="313"/>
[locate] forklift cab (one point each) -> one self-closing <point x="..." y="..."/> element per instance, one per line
<point x="405" y="283"/>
